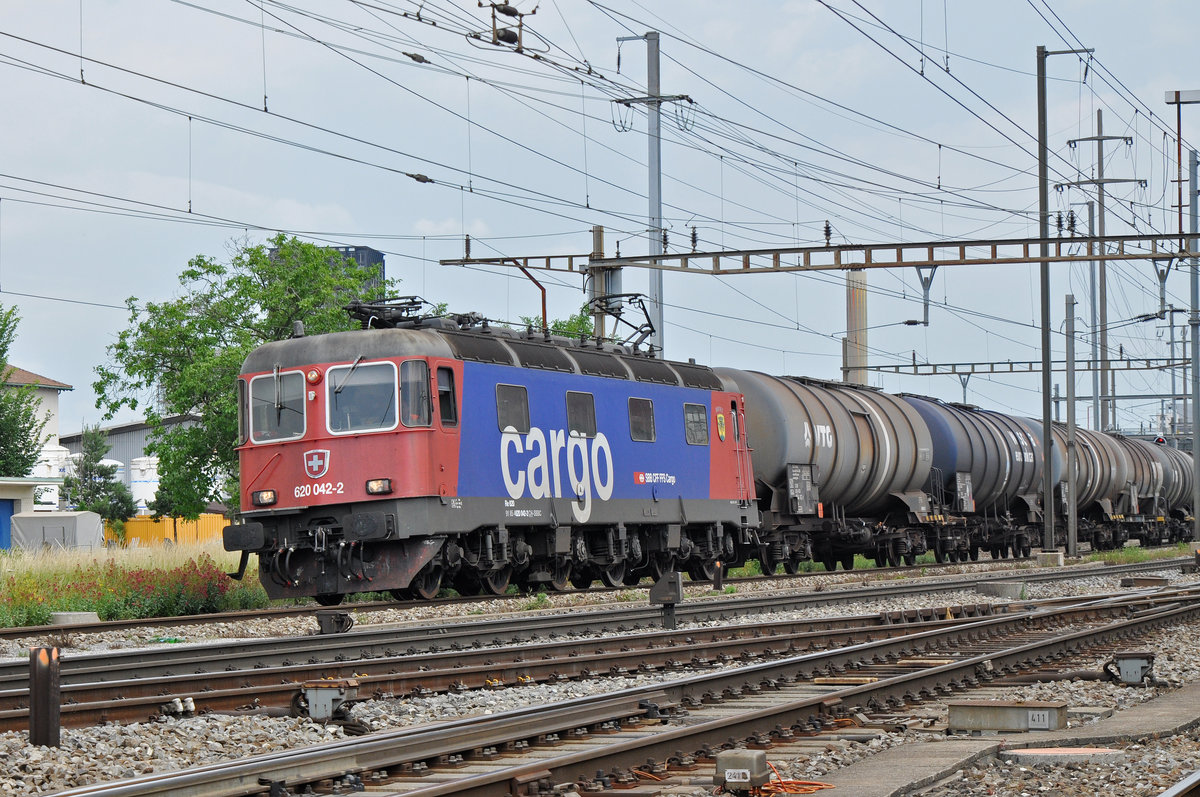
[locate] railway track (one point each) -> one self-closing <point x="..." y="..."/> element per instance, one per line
<point x="777" y="705"/>
<point x="133" y="685"/>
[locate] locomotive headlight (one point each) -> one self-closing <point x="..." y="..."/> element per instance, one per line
<point x="379" y="486"/>
<point x="313" y="376"/>
<point x="263" y="497"/>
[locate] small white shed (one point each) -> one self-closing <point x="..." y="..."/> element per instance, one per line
<point x="37" y="530"/>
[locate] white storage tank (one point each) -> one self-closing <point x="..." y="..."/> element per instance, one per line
<point x="53" y="464"/>
<point x="143" y="482"/>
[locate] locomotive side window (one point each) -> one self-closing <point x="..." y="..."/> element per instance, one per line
<point x="277" y="407"/>
<point x="695" y="422"/>
<point x="581" y="414"/>
<point x="415" y="409"/>
<point x="447" y="406"/>
<point x="512" y="408"/>
<point x="361" y="398"/>
<point x="641" y="420"/>
<point x="243" y="420"/>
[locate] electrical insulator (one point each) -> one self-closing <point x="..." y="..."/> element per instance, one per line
<point x="1059" y="223"/>
<point x="467" y="247"/>
<point x="828" y="233"/>
<point x="695" y="238"/>
<point x="664" y="240"/>
<point x="507" y="35"/>
<point x="1071" y="222"/>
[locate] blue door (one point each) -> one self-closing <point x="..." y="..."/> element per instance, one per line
<point x="6" y="513"/>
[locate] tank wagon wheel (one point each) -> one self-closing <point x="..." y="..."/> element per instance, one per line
<point x="329" y="599"/>
<point x="848" y="561"/>
<point x="1026" y="548"/>
<point x="613" y="575"/>
<point x="830" y="562"/>
<point x="791" y="566"/>
<point x="939" y="552"/>
<point x="496" y="582"/>
<point x="769" y="563"/>
<point x="427" y="583"/>
<point x="910" y="558"/>
<point x="974" y="552"/>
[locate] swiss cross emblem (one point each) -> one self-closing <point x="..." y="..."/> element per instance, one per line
<point x="316" y="462"/>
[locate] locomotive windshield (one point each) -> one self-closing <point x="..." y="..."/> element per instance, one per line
<point x="361" y="398"/>
<point x="277" y="407"/>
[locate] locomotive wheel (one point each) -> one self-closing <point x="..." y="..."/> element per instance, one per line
<point x="706" y="571"/>
<point x="560" y="576"/>
<point x="613" y="575"/>
<point x="848" y="561"/>
<point x="427" y="583"/>
<point x="329" y="599"/>
<point x="466" y="583"/>
<point x="496" y="582"/>
<point x="1026" y="548"/>
<point x="582" y="577"/>
<point x="830" y="562"/>
<point x="661" y="564"/>
<point x="939" y="553"/>
<point x="974" y="551"/>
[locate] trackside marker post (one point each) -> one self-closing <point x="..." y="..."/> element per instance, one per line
<point x="44" y="697"/>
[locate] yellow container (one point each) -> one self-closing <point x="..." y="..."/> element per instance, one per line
<point x="146" y="531"/>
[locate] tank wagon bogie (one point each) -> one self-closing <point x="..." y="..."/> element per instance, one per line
<point x="427" y="453"/>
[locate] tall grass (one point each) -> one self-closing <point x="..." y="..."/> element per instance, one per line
<point x="121" y="583"/>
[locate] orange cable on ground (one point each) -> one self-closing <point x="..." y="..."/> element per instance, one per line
<point x="781" y="786"/>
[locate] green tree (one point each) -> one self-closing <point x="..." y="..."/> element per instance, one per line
<point x="187" y="353"/>
<point x="93" y="486"/>
<point x="572" y="326"/>
<point x="21" y="422"/>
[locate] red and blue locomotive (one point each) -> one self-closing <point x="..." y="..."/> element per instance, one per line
<point x="426" y="453"/>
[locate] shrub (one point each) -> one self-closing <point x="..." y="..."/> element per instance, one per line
<point x="120" y="585"/>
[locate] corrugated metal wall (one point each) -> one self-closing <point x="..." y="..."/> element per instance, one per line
<point x="146" y="532"/>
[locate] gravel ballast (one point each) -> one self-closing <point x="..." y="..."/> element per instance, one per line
<point x="114" y="752"/>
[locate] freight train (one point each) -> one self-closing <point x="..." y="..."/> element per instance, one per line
<point x="417" y="453"/>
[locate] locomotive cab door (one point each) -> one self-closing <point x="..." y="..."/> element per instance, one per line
<point x="744" y="477"/>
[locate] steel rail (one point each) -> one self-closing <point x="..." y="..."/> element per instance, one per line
<point x="385" y="640"/>
<point x="252" y="775"/>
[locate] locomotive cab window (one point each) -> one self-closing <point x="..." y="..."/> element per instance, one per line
<point x="416" y="407"/>
<point x="695" y="424"/>
<point x="581" y="414"/>
<point x="641" y="420"/>
<point x="361" y="397"/>
<point x="447" y="404"/>
<point x="277" y="407"/>
<point x="512" y="408"/>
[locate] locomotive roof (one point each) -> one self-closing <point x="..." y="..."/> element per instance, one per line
<point x="498" y="346"/>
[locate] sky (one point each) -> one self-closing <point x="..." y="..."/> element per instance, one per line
<point x="140" y="135"/>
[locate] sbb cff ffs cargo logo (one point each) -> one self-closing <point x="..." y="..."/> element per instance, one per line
<point x="316" y="463"/>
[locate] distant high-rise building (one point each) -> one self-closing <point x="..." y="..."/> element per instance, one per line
<point x="366" y="256"/>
